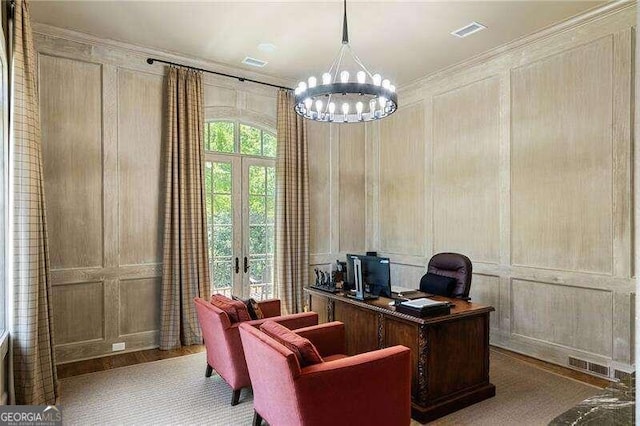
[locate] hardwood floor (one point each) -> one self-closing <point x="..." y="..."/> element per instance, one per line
<point x="122" y="360"/>
<point x="132" y="358"/>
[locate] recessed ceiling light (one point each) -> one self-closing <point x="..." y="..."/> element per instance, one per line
<point x="467" y="30"/>
<point x="267" y="47"/>
<point x="254" y="62"/>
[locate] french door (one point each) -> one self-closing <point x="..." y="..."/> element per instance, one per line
<point x="241" y="217"/>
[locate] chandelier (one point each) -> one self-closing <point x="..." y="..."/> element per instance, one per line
<point x="338" y="99"/>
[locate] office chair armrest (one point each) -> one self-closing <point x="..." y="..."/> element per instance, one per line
<point x="270" y="308"/>
<point x="328" y="338"/>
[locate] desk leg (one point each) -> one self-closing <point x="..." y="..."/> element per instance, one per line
<point x="422" y="365"/>
<point x="381" y="339"/>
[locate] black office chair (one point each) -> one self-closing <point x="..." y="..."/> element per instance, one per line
<point x="448" y="274"/>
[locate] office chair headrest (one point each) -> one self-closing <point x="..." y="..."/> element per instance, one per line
<point x="453" y="265"/>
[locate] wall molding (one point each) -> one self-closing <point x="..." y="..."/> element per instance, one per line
<point x="145" y="52"/>
<point x="570" y="263"/>
<point x="113" y="296"/>
<point x="597" y="13"/>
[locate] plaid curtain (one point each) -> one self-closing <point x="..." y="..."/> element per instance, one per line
<point x="292" y="205"/>
<point x="34" y="370"/>
<point x="185" y="271"/>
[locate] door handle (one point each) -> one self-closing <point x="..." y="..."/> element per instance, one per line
<point x="246" y="265"/>
<point x="237" y="265"/>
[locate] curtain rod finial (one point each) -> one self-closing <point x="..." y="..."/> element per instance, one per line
<point x="150" y="61"/>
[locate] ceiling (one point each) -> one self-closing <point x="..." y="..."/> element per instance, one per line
<point x="401" y="40"/>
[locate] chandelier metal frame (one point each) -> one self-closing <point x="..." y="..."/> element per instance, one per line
<point x="379" y="95"/>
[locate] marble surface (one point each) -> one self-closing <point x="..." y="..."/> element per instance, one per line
<point x="615" y="405"/>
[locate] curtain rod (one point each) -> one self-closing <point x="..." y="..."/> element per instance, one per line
<point x="152" y="60"/>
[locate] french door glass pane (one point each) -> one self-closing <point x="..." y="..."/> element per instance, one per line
<point x="222" y="178"/>
<point x="222" y="277"/>
<point x="219" y="187"/>
<point x="261" y="200"/>
<point x="271" y="180"/>
<point x="257" y="180"/>
<point x="257" y="209"/>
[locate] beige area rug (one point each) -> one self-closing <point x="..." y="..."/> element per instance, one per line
<point x="175" y="391"/>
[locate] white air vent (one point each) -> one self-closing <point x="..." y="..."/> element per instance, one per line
<point x="578" y="363"/>
<point x="599" y="369"/>
<point x="254" y="62"/>
<point x="467" y="30"/>
<point x="602" y="370"/>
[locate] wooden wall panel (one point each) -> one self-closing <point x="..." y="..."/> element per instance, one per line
<point x="352" y="188"/>
<point x="466" y="153"/>
<point x="485" y="289"/>
<point x="103" y="122"/>
<point x="402" y="181"/>
<point x="528" y="152"/>
<point x="215" y="96"/>
<point x="561" y="173"/>
<point x="407" y="275"/>
<point x="78" y="311"/>
<point x="319" y="188"/>
<point x="140" y="305"/>
<point x="71" y="110"/>
<point x="552" y="315"/>
<point x="140" y="172"/>
<point x="261" y="105"/>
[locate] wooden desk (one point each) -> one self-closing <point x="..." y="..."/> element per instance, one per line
<point x="449" y="354"/>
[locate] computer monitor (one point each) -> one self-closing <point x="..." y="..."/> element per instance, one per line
<point x="376" y="275"/>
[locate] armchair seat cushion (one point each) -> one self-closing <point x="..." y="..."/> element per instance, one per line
<point x="286" y="394"/>
<point x="303" y="349"/>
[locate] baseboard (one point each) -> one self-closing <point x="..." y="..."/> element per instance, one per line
<point x="588" y="376"/>
<point x="97" y="349"/>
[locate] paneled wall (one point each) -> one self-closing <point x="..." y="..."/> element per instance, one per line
<point x="102" y="124"/>
<point x="522" y="159"/>
<point x="337" y="192"/>
<point x="102" y="119"/>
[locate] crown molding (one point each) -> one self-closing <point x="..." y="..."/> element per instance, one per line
<point x="572" y="23"/>
<point x="145" y="52"/>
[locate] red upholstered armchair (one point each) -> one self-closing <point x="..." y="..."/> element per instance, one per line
<point x="372" y="388"/>
<point x="222" y="340"/>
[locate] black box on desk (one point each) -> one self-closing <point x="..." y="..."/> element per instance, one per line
<point x="425" y="311"/>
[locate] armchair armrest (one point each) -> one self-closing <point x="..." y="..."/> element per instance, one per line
<point x="384" y="372"/>
<point x="328" y="338"/>
<point x="303" y="319"/>
<point x="270" y="308"/>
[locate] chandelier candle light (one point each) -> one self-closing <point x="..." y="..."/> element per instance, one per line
<point x="367" y="98"/>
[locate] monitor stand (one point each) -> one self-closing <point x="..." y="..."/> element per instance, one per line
<point x="357" y="272"/>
